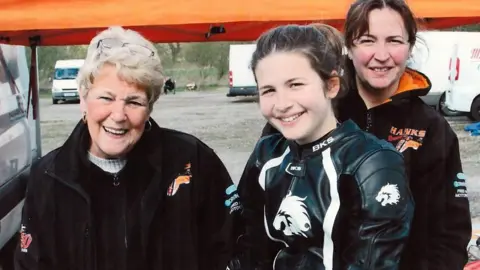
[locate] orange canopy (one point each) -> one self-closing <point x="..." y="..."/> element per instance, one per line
<point x="71" y="22"/>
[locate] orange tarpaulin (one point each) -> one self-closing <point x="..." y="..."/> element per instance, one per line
<point x="61" y="22"/>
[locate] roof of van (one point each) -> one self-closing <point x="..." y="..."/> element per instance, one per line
<point x="71" y="63"/>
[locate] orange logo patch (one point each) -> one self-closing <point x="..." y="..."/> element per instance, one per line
<point x="405" y="138"/>
<point x="182" y="179"/>
<point x="408" y="143"/>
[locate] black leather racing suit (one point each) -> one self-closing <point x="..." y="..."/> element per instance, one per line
<point x="341" y="202"/>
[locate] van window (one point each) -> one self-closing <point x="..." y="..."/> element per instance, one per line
<point x="66" y="73"/>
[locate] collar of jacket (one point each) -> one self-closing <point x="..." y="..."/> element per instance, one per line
<point x="71" y="159"/>
<point x="412" y="84"/>
<point x="342" y="130"/>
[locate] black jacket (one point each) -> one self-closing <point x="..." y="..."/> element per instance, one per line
<point x="441" y="228"/>
<point x="179" y="218"/>
<point x="341" y="202"/>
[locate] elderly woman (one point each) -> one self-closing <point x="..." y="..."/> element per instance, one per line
<point x="122" y="192"/>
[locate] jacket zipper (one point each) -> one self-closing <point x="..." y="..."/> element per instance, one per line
<point x="125" y="232"/>
<point x="369" y="121"/>
<point x="116" y="183"/>
<point x="86" y="247"/>
<point x="116" y="180"/>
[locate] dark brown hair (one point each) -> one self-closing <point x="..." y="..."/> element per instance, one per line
<point x="321" y="44"/>
<point x="356" y="23"/>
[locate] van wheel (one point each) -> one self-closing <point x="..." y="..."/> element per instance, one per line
<point x="444" y="109"/>
<point x="475" y="110"/>
<point x="54" y="101"/>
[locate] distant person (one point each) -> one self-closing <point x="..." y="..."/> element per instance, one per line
<point x="169" y="86"/>
<point x="385" y="101"/>
<point x="122" y="192"/>
<point x="318" y="194"/>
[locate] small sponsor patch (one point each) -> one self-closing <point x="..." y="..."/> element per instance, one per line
<point x="461" y="193"/>
<point x="323" y="144"/>
<point x="460" y="186"/>
<point x="182" y="179"/>
<point x="25" y="239"/>
<point x="232" y="200"/>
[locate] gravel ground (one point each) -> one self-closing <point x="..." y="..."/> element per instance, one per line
<point x="231" y="126"/>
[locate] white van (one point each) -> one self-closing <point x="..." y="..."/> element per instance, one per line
<point x="18" y="144"/>
<point x="464" y="93"/>
<point x="64" y="85"/>
<point x="241" y="79"/>
<point x="431" y="56"/>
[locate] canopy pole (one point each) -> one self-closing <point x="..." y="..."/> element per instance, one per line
<point x="33" y="91"/>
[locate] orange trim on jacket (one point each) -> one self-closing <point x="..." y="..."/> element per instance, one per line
<point x="411" y="80"/>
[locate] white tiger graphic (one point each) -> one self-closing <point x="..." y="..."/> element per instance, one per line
<point x="388" y="194"/>
<point x="292" y="217"/>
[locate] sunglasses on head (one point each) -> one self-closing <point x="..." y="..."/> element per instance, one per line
<point x="110" y="43"/>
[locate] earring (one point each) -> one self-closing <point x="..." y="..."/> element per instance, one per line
<point x="148" y="125"/>
<point x="84" y="117"/>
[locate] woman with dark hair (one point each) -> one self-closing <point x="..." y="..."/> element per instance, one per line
<point x="379" y="36"/>
<point x="320" y="194"/>
<point x="385" y="101"/>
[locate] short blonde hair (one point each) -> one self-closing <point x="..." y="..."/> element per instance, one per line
<point x="136" y="59"/>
